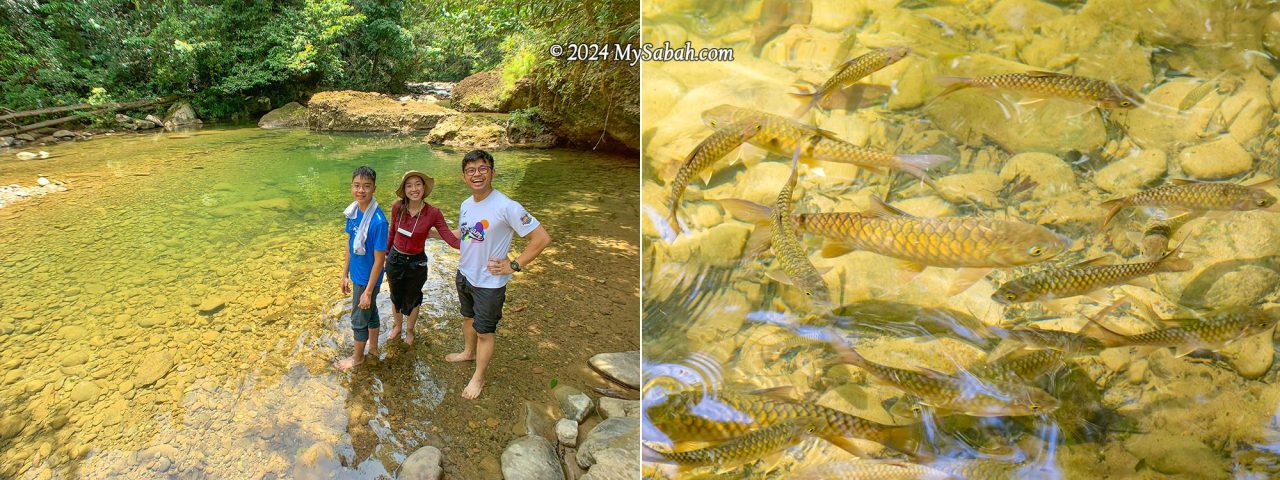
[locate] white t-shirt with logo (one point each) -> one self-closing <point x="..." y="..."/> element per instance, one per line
<point x="486" y="228"/>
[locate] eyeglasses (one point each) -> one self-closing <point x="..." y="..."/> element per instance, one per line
<point x="483" y="169"/>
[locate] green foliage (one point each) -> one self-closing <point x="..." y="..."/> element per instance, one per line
<point x="525" y="122"/>
<point x="99" y="96"/>
<point x="233" y="57"/>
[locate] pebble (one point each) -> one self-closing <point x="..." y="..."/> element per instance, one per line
<point x="567" y="432"/>
<point x="75" y="358"/>
<point x="538" y="370"/>
<point x="1133" y="172"/>
<point x="85" y="391"/>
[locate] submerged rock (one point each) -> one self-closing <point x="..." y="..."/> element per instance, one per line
<point x="531" y="458"/>
<point x="153" y="367"/>
<point x="622" y="367"/>
<point x="1252" y="357"/>
<point x="1131" y="173"/>
<point x="1216" y="160"/>
<point x="423" y="464"/>
<point x="1236" y="258"/>
<point x="1178" y="455"/>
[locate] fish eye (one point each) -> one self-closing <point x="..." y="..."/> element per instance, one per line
<point x="1035" y="407"/>
<point x="1035" y="251"/>
<point x="1126" y="104"/>
<point x="1262" y="202"/>
<point x="1010" y="296"/>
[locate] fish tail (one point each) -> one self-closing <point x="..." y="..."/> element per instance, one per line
<point x="917" y="166"/>
<point x="1109" y="337"/>
<point x="746" y="210"/>
<point x="810" y="90"/>
<point x="674" y="223"/>
<point x="1113" y="207"/>
<point x="904" y="438"/>
<point x="846" y="355"/>
<point x="1171" y="262"/>
<point x="953" y="83"/>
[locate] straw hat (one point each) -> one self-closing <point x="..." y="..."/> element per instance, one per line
<point x="427" y="182"/>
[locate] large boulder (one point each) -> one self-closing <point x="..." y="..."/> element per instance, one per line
<point x="291" y="115"/>
<point x="604" y="116"/>
<point x="616" y="432"/>
<point x="352" y="111"/>
<point x="181" y="115"/>
<point x="469" y="131"/>
<point x="479" y="92"/>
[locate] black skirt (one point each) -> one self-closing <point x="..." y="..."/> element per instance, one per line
<point x="406" y="274"/>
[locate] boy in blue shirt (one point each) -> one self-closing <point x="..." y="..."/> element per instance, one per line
<point x="367" y="230"/>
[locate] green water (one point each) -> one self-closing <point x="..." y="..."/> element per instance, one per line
<point x="716" y="318"/>
<point x="176" y="311"/>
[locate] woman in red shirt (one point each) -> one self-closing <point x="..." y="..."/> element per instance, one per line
<point x="411" y="219"/>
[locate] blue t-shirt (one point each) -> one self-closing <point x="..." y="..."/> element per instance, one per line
<point x="374" y="241"/>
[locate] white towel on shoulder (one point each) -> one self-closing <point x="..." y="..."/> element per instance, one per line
<point x="362" y="231"/>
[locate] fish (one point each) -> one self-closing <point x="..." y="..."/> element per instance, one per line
<point x="849" y="73"/>
<point x="987" y="469"/>
<point x="962" y="393"/>
<point x="1071" y="343"/>
<point x="864" y="469"/>
<point x="746" y="448"/>
<point x="694" y="415"/>
<point x="1212" y="332"/>
<point x="781" y="135"/>
<point x="1155" y="235"/>
<point x="954" y="242"/>
<point x="1083" y="278"/>
<point x="1198" y="196"/>
<point x="1023" y="367"/>
<point x="1049" y="84"/>
<point x="790" y="252"/>
<point x="718" y="144"/>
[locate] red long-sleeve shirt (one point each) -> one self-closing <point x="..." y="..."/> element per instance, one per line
<point x="419" y="225"/>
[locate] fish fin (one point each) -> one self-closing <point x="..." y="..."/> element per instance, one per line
<point x="746" y="210"/>
<point x="1184" y="350"/>
<point x="1134" y="237"/>
<point x="952" y="84"/>
<point x="1092" y="261"/>
<point x="967" y="278"/>
<point x="917" y="165"/>
<point x="1264" y="183"/>
<point x="831" y="249"/>
<point x="826" y="134"/>
<point x="1183" y="181"/>
<point x="810" y="91"/>
<point x="1030" y="101"/>
<point x="674" y="223"/>
<point x="1145" y="350"/>
<point x="1003" y="349"/>
<point x="1144" y="282"/>
<point x="786" y="393"/>
<point x="779" y="276"/>
<point x="1171" y="262"/>
<point x="1095" y="328"/>
<point x="908" y="271"/>
<point x="705" y="175"/>
<point x="759" y="241"/>
<point x="881" y="209"/>
<point x="1100" y="295"/>
<point x="1042" y="74"/>
<point x="845" y="444"/>
<point x="1112" y="207"/>
<point x="903" y="438"/>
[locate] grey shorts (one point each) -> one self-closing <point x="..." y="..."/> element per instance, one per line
<point x="363" y="319"/>
<point x="482" y="305"/>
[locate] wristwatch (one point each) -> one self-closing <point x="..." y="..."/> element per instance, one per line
<point x="515" y="266"/>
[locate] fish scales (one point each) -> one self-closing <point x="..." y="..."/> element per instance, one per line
<point x="723" y="415"/>
<point x="715" y="146"/>
<point x="750" y="446"/>
<point x="791" y="253"/>
<point x="1214" y="330"/>
<point x="941" y="242"/>
<point x="1080" y="279"/>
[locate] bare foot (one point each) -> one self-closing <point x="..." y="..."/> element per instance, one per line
<point x="346" y="363"/>
<point x="460" y="357"/>
<point x="394" y="334"/>
<point x="373" y="355"/>
<point x="473" y="389"/>
<point x="408" y="337"/>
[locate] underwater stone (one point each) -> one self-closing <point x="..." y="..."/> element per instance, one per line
<point x="1215" y="160"/>
<point x="1021" y="14"/>
<point x="423" y="464"/>
<point x="982" y="187"/>
<point x="1049" y="172"/>
<point x="1154" y="125"/>
<point x="1177" y="454"/>
<point x="85" y="391"/>
<point x="1133" y="172"/>
<point x="153" y="367"/>
<point x="1236" y="260"/>
<point x="1252" y="356"/>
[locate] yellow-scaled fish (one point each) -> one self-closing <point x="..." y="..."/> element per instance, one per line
<point x="1082" y="278"/>
<point x="748" y="447"/>
<point x="718" y="144"/>
<point x="1198" y="196"/>
<point x="697" y="416"/>
<point x="965" y="394"/>
<point x="791" y="253"/>
<point x="781" y="135"/>
<point x="1212" y="332"/>
<point x="1155" y="236"/>
<point x="1070" y="343"/>
<point x="1050" y="84"/>
<point x="1023" y="367"/>
<point x="864" y="469"/>
<point x="850" y="72"/>
<point x="958" y="242"/>
<point x="987" y="469"/>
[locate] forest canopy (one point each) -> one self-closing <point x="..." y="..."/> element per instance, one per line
<point x="233" y="57"/>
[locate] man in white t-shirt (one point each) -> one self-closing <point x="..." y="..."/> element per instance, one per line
<point x="486" y="224"/>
